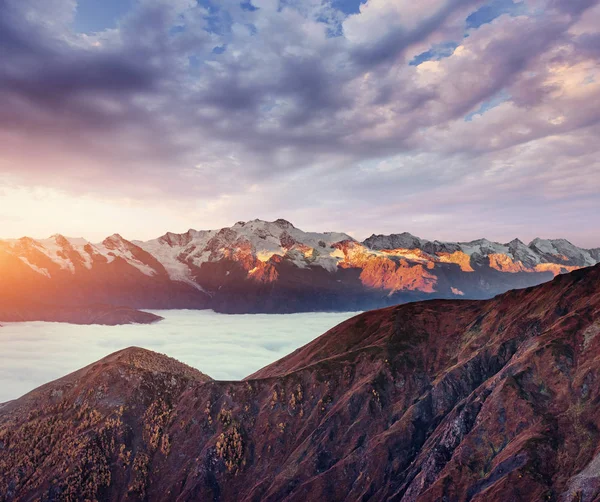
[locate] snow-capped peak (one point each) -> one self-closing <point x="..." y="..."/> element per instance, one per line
<point x="181" y="254"/>
<point x="404" y="240"/>
<point x="257" y="245"/>
<point x="557" y="251"/>
<point x="563" y="251"/>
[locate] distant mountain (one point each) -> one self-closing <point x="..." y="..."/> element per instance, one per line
<point x="107" y="315"/>
<point x="73" y="272"/>
<point x="431" y="401"/>
<point x="260" y="266"/>
<point x="540" y="253"/>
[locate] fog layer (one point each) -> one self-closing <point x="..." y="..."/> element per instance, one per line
<point x="226" y="347"/>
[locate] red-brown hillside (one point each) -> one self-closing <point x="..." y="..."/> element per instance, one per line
<point x="444" y="400"/>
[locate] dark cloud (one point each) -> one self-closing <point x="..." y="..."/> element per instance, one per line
<point x="390" y="45"/>
<point x="574" y="7"/>
<point x="588" y="44"/>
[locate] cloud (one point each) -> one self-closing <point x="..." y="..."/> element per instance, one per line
<point x="223" y="347"/>
<point x="298" y="107"/>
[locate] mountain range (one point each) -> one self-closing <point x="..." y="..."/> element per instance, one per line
<point x="440" y="400"/>
<point x="271" y="267"/>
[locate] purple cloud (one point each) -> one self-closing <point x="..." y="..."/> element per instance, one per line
<point x="305" y="110"/>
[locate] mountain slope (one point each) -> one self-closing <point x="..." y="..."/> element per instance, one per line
<point x="438" y="400"/>
<point x="274" y="267"/>
<point x="74" y="273"/>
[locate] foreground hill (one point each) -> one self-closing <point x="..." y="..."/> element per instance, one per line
<point x="274" y="267"/>
<point x="442" y="400"/>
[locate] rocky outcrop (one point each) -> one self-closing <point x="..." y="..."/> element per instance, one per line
<point x="440" y="400"/>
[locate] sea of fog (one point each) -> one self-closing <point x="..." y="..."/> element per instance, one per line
<point x="226" y="347"/>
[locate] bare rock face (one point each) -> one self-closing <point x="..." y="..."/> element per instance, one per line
<point x="441" y="400"/>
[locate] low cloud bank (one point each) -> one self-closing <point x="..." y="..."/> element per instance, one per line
<point x="224" y="347"/>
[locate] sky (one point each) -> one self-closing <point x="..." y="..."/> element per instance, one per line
<point x="450" y="119"/>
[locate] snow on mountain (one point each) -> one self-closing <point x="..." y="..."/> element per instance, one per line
<point x="483" y="247"/>
<point x="42" y="271"/>
<point x="521" y="252"/>
<point x="175" y="252"/>
<point x="563" y="251"/>
<point x="117" y="247"/>
<point x="511" y="257"/>
<point x="257" y="241"/>
<point x="58" y="248"/>
<point x="394" y="241"/>
<point x="56" y="252"/>
<point x="70" y="254"/>
<point x="182" y="254"/>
